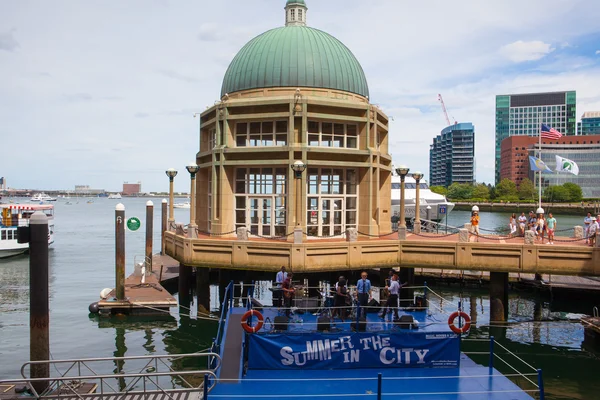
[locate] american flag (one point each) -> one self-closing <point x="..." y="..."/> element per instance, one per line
<point x="550" y="133"/>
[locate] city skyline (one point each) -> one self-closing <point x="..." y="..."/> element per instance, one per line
<point x="114" y="102"/>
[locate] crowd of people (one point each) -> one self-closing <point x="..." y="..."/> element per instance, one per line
<point x="542" y="226"/>
<point x="284" y="291"/>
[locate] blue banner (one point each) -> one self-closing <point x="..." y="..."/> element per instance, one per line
<point x="354" y="350"/>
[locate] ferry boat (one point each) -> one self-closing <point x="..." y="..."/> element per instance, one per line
<point x="15" y="215"/>
<point x="263" y="354"/>
<point x="438" y="203"/>
<point x="115" y="196"/>
<point x="182" y="205"/>
<point x="40" y="197"/>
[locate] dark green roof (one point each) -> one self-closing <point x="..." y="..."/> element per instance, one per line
<point x="295" y="2"/>
<point x="295" y="56"/>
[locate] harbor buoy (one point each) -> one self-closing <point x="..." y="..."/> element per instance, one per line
<point x="256" y="328"/>
<point x="465" y="328"/>
<point x="104" y="293"/>
<point x="94" y="308"/>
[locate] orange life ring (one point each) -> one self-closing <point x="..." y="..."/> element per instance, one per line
<point x="255" y="328"/>
<point x="465" y="328"/>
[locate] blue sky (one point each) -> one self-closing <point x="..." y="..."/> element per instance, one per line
<point x="99" y="93"/>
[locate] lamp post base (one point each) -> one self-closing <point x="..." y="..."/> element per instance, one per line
<point x="417" y="227"/>
<point x="192" y="231"/>
<point x="402" y="232"/>
<point x="298" y="235"/>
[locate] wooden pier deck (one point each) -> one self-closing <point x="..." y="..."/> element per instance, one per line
<point x="166" y="267"/>
<point x="140" y="298"/>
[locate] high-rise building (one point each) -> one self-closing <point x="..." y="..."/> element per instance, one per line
<point x="590" y="123"/>
<point x="522" y="115"/>
<point x="585" y="151"/>
<point x="132" y="189"/>
<point x="452" y="155"/>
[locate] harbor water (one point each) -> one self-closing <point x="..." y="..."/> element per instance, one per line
<point x="82" y="264"/>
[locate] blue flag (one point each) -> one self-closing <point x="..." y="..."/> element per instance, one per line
<point x="535" y="164"/>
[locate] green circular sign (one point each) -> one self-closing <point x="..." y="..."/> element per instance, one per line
<point x="133" y="224"/>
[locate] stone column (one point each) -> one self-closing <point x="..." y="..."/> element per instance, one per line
<point x="498" y="297"/>
<point x="578" y="232"/>
<point x="463" y="236"/>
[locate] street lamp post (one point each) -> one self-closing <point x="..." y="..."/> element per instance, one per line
<point x="171" y="173"/>
<point x="417" y="176"/>
<point x="192" y="229"/>
<point x="298" y="167"/>
<point x="402" y="170"/>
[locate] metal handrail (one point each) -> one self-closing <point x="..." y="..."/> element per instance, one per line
<point x="56" y="382"/>
<point x="85" y="361"/>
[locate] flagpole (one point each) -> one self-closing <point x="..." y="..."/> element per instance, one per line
<point x="540" y="157"/>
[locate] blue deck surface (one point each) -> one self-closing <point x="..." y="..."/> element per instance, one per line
<point x="469" y="381"/>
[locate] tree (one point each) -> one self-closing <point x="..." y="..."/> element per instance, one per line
<point x="574" y="190"/>
<point x="527" y="190"/>
<point x="460" y="191"/>
<point x="556" y="194"/>
<point x="506" y="190"/>
<point x="439" y="190"/>
<point x="481" y="191"/>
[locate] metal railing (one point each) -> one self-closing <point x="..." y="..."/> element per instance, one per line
<point x="84" y="378"/>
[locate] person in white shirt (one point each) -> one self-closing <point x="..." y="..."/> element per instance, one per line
<point x="587" y="221"/>
<point x="392" y="301"/>
<point x="593" y="231"/>
<point x="522" y="223"/>
<point x="279" y="279"/>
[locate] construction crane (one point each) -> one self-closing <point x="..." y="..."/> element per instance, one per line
<point x="445" y="111"/>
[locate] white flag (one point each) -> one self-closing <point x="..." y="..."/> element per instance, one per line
<point x="566" y="165"/>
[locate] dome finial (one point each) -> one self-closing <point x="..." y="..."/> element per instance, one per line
<point x="295" y="13"/>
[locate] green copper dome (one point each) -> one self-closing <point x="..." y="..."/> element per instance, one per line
<point x="295" y="56"/>
<point x="294" y="2"/>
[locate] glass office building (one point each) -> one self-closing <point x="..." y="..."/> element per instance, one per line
<point x="590" y="124"/>
<point x="522" y="114"/>
<point x="452" y="156"/>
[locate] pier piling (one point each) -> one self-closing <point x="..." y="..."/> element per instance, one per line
<point x="163" y="228"/>
<point x="498" y="296"/>
<point x="185" y="279"/>
<point x="203" y="290"/>
<point x="149" y="230"/>
<point x="120" y="251"/>
<point x="39" y="319"/>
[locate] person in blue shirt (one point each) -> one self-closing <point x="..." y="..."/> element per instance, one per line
<point x="363" y="289"/>
<point x="587" y="222"/>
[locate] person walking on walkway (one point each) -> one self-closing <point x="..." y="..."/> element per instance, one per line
<point x="587" y="221"/>
<point x="363" y="288"/>
<point x="512" y="224"/>
<point x="475" y="222"/>
<point x="532" y="222"/>
<point x="522" y="224"/>
<point x="552" y="226"/>
<point x="541" y="227"/>
<point x="593" y="231"/>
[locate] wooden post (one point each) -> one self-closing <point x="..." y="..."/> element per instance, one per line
<point x="149" y="229"/>
<point x="120" y="251"/>
<point x="163" y="228"/>
<point x="39" y="319"/>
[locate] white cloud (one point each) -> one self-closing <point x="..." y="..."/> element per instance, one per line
<point x="597" y="51"/>
<point x="520" y="51"/>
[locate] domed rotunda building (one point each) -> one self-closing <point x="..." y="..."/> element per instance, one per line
<point x="294" y="150"/>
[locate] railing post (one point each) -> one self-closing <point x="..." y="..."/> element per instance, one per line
<point x="205" y="387"/>
<point x="357" y="316"/>
<point x="379" y="386"/>
<point x="541" y="384"/>
<point x="425" y="294"/>
<point x="491" y="355"/>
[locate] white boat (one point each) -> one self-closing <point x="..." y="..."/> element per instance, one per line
<point x="182" y="205"/>
<point x="437" y="202"/>
<point x="115" y="196"/>
<point x="42" y="197"/>
<point x="15" y="215"/>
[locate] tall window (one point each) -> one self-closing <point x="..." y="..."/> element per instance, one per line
<point x="268" y="133"/>
<point x="209" y="208"/>
<point x="332" y="201"/>
<point x="329" y="134"/>
<point x="261" y="200"/>
<point x="300" y="15"/>
<point x="292" y="14"/>
<point x="212" y="139"/>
